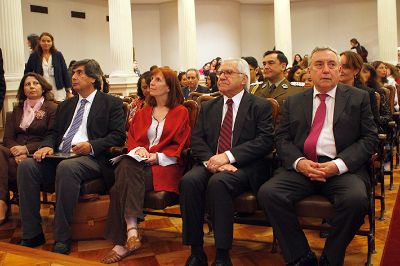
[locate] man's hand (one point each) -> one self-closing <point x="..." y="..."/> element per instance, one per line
<point x="83" y="148"/>
<point x="217" y="161"/>
<point x="311" y="170"/>
<point x="142" y="152"/>
<point x="228" y="168"/>
<point x="152" y="159"/>
<point x="18" y="150"/>
<point x="40" y="154"/>
<point x="20" y="158"/>
<point x="329" y="168"/>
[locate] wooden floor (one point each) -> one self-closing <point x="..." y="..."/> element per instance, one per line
<point x="163" y="245"/>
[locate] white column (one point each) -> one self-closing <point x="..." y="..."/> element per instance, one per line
<point x="122" y="77"/>
<point x="387" y="31"/>
<point x="12" y="44"/>
<point x="187" y="34"/>
<point x="283" y="28"/>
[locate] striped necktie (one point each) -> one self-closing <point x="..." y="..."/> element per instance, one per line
<point x="225" y="134"/>
<point x="76" y="123"/>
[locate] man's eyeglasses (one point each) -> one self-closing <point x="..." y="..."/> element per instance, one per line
<point x="227" y="73"/>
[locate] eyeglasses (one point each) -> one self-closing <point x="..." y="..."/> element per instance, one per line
<point x="227" y="73"/>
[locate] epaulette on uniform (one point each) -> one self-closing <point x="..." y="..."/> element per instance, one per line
<point x="256" y="83"/>
<point x="297" y="84"/>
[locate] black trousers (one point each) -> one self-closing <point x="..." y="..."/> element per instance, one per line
<point x="198" y="187"/>
<point x="346" y="192"/>
<point x="67" y="176"/>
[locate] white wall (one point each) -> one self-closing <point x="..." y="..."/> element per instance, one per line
<point x="146" y="35"/>
<point x="225" y="28"/>
<point x="334" y="23"/>
<point x="218" y="30"/>
<point x="257" y="26"/>
<point x="75" y="38"/>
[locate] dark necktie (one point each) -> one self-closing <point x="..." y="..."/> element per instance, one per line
<point x="76" y="123"/>
<point x="271" y="88"/>
<point x="310" y="145"/>
<point x="225" y="134"/>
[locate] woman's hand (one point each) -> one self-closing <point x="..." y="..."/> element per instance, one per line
<point x="153" y="159"/>
<point x="18" y="150"/>
<point x="20" y="158"/>
<point x="142" y="152"/>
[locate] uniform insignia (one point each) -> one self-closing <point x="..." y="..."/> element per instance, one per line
<point x="264" y="85"/>
<point x="297" y="84"/>
<point x="285" y="86"/>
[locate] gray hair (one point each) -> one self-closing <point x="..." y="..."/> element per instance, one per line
<point x="243" y="67"/>
<point x="323" y="48"/>
<point x="195" y="70"/>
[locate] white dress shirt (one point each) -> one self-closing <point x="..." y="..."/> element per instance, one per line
<point x="81" y="135"/>
<point x="326" y="141"/>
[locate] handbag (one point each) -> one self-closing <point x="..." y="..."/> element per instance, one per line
<point x="89" y="220"/>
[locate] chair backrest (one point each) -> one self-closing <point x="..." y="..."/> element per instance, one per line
<point x="389" y="92"/>
<point x="204" y="98"/>
<point x="378" y="100"/>
<point x="126" y="106"/>
<point x="193" y="109"/>
<point x="215" y="94"/>
<point x="275" y="110"/>
<point x="194" y="95"/>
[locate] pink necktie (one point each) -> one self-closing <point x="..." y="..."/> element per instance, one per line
<point x="225" y="134"/>
<point x="310" y="145"/>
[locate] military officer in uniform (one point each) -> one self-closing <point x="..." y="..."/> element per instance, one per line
<point x="276" y="86"/>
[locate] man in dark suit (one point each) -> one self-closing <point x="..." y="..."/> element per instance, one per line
<point x="2" y="82"/>
<point x="193" y="78"/>
<point x="86" y="124"/>
<point x="276" y="86"/>
<point x="325" y="140"/>
<point x="232" y="135"/>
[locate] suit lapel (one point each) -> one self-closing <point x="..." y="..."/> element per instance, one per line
<point x="240" y="117"/>
<point x="340" y="102"/>
<point x="216" y="116"/>
<point x="308" y="106"/>
<point x="94" y="109"/>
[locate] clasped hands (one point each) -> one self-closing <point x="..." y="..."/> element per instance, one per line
<point x="317" y="171"/>
<point x="220" y="163"/>
<point x="82" y="148"/>
<point x="152" y="158"/>
<point x="19" y="152"/>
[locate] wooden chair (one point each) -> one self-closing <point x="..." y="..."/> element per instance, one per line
<point x="203" y="98"/>
<point x="194" y="95"/>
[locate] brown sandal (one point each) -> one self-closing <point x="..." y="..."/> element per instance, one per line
<point x="134" y="242"/>
<point x="113" y="257"/>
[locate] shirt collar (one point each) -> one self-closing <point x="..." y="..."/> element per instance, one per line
<point x="331" y="93"/>
<point x="90" y="98"/>
<point x="236" y="99"/>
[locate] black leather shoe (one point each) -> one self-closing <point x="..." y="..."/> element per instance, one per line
<point x="323" y="261"/>
<point x="219" y="262"/>
<point x="62" y="247"/>
<point x="308" y="260"/>
<point x="196" y="261"/>
<point x="33" y="242"/>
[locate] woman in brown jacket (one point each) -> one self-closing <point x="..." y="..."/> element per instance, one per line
<point x="25" y="128"/>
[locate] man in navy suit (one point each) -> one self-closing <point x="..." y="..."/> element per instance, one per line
<point x="233" y="134"/>
<point x="193" y="78"/>
<point x="86" y="124"/>
<point x="325" y="140"/>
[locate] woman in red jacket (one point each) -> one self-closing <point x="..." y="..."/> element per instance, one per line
<point x="157" y="135"/>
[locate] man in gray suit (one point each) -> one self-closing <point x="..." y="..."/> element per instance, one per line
<point x="86" y="124"/>
<point x="325" y="140"/>
<point x="233" y="133"/>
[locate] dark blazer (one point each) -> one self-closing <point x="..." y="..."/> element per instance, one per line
<point x="35" y="133"/>
<point x="2" y="82"/>
<point x="353" y="127"/>
<point x="252" y="135"/>
<point x="105" y="127"/>
<point x="186" y="91"/>
<point x="61" y="75"/>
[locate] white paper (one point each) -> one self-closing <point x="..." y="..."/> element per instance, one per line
<point x="130" y="154"/>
